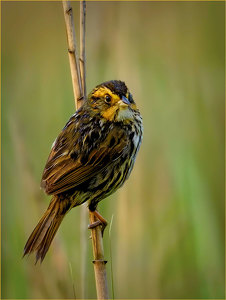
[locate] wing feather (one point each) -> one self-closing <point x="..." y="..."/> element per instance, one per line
<point x="62" y="172"/>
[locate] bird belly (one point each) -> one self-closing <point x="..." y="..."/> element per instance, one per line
<point x="108" y="180"/>
<point x="112" y="181"/>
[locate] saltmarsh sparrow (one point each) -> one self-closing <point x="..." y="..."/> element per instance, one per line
<point x="90" y="159"/>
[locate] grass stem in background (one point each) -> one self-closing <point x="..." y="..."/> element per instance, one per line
<point x="72" y="280"/>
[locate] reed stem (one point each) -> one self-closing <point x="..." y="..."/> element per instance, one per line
<point x="83" y="45"/>
<point x="72" y="53"/>
<point x="99" y="262"/>
<point x="78" y="74"/>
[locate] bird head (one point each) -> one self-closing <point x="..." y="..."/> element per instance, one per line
<point x="113" y="101"/>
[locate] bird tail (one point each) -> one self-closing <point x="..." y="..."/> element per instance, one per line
<point x="43" y="234"/>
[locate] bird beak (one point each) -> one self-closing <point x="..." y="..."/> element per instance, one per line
<point x="124" y="102"/>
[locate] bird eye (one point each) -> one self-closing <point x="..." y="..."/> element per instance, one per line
<point x="107" y="99"/>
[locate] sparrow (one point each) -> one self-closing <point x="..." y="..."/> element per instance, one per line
<point x="90" y="159"/>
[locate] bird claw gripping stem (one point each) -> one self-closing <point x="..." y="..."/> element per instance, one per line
<point x="100" y="222"/>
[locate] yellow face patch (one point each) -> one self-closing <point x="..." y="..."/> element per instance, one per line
<point x="109" y="114"/>
<point x="103" y="91"/>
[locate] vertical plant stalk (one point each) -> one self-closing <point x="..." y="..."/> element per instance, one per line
<point x="83" y="45"/>
<point x="97" y="239"/>
<point x="99" y="261"/>
<point x="79" y="89"/>
<point x="72" y="53"/>
<point x="110" y="248"/>
<point x="83" y="211"/>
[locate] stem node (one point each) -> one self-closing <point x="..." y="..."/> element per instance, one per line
<point x="96" y="261"/>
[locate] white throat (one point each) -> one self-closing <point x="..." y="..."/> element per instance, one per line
<point x="124" y="114"/>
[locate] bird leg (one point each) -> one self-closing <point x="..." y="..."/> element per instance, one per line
<point x="101" y="221"/>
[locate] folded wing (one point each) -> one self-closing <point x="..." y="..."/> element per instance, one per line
<point x="65" y="170"/>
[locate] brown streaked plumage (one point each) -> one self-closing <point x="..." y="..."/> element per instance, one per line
<point x="90" y="159"/>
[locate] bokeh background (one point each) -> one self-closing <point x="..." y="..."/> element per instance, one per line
<point x="167" y="233"/>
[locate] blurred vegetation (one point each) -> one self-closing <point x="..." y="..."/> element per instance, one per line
<point x="168" y="230"/>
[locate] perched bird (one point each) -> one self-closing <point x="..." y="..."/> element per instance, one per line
<point x="90" y="159"/>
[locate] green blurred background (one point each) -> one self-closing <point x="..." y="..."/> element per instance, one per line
<point x="167" y="237"/>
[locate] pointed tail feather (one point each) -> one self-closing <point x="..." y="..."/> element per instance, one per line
<point x="43" y="234"/>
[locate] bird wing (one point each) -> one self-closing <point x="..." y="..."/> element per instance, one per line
<point x="63" y="171"/>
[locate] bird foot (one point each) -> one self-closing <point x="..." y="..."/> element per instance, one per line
<point x="95" y="224"/>
<point x="100" y="222"/>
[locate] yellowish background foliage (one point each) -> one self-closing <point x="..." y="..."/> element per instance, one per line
<point x="168" y="227"/>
